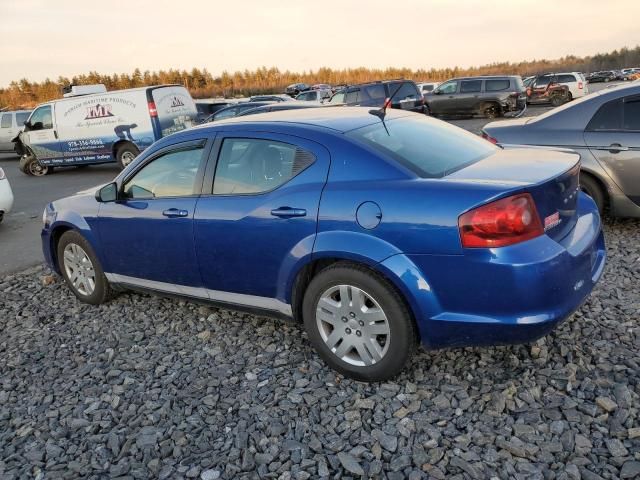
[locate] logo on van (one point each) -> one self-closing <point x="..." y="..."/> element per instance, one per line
<point x="176" y="102"/>
<point x="98" y="111"/>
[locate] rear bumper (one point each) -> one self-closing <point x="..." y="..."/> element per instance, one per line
<point x="507" y="295"/>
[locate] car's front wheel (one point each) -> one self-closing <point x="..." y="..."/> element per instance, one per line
<point x="81" y="269"/>
<point x="358" y="323"/>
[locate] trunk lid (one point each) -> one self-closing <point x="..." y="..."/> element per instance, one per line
<point x="551" y="177"/>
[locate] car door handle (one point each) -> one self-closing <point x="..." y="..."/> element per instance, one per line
<point x="175" y="213"/>
<point x="288" y="212"/>
<point x="616" y="147"/>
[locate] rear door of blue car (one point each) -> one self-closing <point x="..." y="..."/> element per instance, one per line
<point x="260" y="214"/>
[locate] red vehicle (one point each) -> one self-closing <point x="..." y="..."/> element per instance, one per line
<point x="546" y="89"/>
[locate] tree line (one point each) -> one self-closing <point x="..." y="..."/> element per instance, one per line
<point x="202" y="84"/>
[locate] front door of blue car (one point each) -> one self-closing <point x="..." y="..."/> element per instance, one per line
<point x="147" y="235"/>
<point x="260" y="215"/>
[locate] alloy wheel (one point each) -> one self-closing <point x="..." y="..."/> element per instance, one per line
<point x="79" y="269"/>
<point x="353" y="325"/>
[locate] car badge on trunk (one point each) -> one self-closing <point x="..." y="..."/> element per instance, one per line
<point x="551" y="221"/>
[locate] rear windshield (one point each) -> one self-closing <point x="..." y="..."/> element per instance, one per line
<point x="430" y="148"/>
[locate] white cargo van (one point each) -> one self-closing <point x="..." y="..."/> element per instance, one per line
<point x="102" y="127"/>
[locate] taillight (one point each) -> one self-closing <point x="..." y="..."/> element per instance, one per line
<point x="153" y="111"/>
<point x="489" y="138"/>
<point x="2" y="175"/>
<point x="580" y="85"/>
<point x="503" y="222"/>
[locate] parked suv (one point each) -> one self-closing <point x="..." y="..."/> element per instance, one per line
<point x="295" y="89"/>
<point x="487" y="96"/>
<point x="11" y="124"/>
<point x="406" y="95"/>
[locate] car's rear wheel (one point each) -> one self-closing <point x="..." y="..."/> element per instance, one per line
<point x="591" y="187"/>
<point x="358" y="323"/>
<point x="81" y="269"/>
<point x="557" y="100"/>
<point x="491" y="111"/>
<point x="126" y="154"/>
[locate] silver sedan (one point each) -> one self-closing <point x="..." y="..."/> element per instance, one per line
<point x="604" y="128"/>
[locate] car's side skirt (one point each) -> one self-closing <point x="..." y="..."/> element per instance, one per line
<point x="233" y="300"/>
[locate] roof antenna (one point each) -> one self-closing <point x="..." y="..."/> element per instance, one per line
<point x="382" y="111"/>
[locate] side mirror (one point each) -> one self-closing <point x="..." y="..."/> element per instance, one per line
<point x="108" y="193"/>
<point x="437" y="92"/>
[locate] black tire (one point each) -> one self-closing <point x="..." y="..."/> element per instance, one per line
<point x="591" y="187"/>
<point x="402" y="331"/>
<point x="102" y="291"/>
<point x="557" y="100"/>
<point x="29" y="164"/>
<point x="491" y="111"/>
<point x="21" y="165"/>
<point x="124" y="152"/>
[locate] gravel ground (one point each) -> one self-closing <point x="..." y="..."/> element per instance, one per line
<point x="151" y="387"/>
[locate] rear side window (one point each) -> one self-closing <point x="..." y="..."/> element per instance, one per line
<point x="6" y="120"/>
<point x="470" y="86"/>
<point x="375" y="92"/>
<point x="406" y="90"/>
<point x="429" y="148"/>
<point x="566" y="79"/>
<point x="631" y="113"/>
<point x="253" y="166"/>
<point x="21" y="117"/>
<point x="608" y="117"/>
<point x="496" y="85"/>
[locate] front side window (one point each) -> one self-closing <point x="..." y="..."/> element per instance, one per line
<point x="543" y="81"/>
<point x="170" y="175"/>
<point x="498" y="85"/>
<point x="253" y="166"/>
<point x="430" y="149"/>
<point x="228" y="113"/>
<point x="41" y="118"/>
<point x="470" y="86"/>
<point x="338" y="97"/>
<point x="448" y="88"/>
<point x="6" y="120"/>
<point x="608" y="117"/>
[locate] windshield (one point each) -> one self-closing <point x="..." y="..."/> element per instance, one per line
<point x="428" y="147"/>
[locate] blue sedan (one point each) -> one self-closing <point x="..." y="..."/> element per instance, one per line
<point x="376" y="231"/>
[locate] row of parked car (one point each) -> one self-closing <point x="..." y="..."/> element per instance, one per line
<point x="614" y="75"/>
<point x="489" y="96"/>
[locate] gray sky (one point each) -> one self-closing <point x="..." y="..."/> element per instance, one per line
<point x="48" y="38"/>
